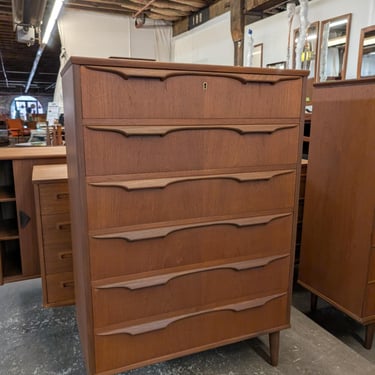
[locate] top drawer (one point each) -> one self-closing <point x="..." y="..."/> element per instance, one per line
<point x="54" y="198"/>
<point x="128" y="92"/>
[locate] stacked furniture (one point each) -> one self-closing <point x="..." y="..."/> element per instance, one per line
<point x="19" y="258"/>
<point x="54" y="237"/>
<point x="184" y="200"/>
<point x="338" y="237"/>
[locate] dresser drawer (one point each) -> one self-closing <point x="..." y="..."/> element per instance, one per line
<point x="58" y="258"/>
<point x="140" y="93"/>
<point x="132" y="250"/>
<point x="60" y="288"/>
<point x="123" y="299"/>
<point x="54" y="198"/>
<point x="369" y="302"/>
<point x="56" y="230"/>
<point x="121" y="202"/>
<point x="124" y="347"/>
<point x="116" y="150"/>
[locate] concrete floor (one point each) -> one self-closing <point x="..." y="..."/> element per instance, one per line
<point x="39" y="341"/>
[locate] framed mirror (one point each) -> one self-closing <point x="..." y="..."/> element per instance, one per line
<point x="333" y="48"/>
<point x="366" y="54"/>
<point x="308" y="56"/>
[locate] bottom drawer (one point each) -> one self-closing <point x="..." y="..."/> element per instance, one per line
<point x="60" y="288"/>
<point x="145" y="342"/>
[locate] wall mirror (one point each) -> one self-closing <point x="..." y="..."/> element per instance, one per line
<point x="333" y="51"/>
<point x="308" y="56"/>
<point x="366" y="55"/>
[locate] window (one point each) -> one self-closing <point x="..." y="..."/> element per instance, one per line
<point x="24" y="106"/>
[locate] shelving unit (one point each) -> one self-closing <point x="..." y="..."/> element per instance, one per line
<point x="19" y="258"/>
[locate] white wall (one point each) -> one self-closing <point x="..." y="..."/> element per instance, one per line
<point x="273" y="31"/>
<point x="93" y="34"/>
<point x="210" y="43"/>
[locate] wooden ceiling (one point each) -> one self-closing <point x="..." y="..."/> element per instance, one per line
<point x="16" y="59"/>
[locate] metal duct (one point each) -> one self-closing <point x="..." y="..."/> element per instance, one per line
<point x="28" y="12"/>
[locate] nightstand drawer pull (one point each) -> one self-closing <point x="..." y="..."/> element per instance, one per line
<point x="67" y="284"/>
<point x="162" y="130"/>
<point x="65" y="225"/>
<point x="62" y="196"/>
<point x="146" y="234"/>
<point x="66" y="255"/>
<point x="164" y="182"/>
<point x="164" y="279"/>
<point x="164" y="323"/>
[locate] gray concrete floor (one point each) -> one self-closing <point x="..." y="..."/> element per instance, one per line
<point x="39" y="341"/>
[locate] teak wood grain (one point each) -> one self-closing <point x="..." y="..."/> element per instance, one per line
<point x="337" y="241"/>
<point x="184" y="185"/>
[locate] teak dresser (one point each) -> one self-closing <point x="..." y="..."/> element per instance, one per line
<point x="184" y="189"/>
<point x="338" y="237"/>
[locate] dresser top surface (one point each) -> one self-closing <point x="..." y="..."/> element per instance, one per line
<point x="146" y="64"/>
<point x="50" y="173"/>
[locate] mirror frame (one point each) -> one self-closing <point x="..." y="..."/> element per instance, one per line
<point x="315" y="24"/>
<point x="360" y="51"/>
<point x="258" y="48"/>
<point x="345" y="56"/>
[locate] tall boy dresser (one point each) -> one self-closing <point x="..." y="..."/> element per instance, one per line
<point x="338" y="237"/>
<point x="184" y="189"/>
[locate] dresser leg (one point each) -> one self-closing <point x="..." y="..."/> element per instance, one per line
<point x="274" y="339"/>
<point x="313" y="302"/>
<point x="370" y="330"/>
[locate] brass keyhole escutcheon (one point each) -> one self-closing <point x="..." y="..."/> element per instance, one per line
<point x="205" y="86"/>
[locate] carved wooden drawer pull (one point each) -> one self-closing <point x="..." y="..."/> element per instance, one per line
<point x="164" y="279"/>
<point x="67" y="284"/>
<point x="66" y="255"/>
<point x="164" y="74"/>
<point x="163" y="323"/>
<point x="164" y="182"/>
<point x="161" y="130"/>
<point x="145" y="234"/>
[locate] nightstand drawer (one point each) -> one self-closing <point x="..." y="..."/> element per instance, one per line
<point x="56" y="230"/>
<point x="60" y="288"/>
<point x="159" y="200"/>
<point x="58" y="258"/>
<point x="54" y="198"/>
<point x="132" y="250"/>
<point x="152" y="93"/>
<point x="115" y="149"/>
<point x="120" y="347"/>
<point x="185" y="287"/>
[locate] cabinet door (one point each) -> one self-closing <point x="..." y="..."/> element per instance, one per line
<point x="22" y="172"/>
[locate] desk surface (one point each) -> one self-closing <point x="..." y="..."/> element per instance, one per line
<point x="11" y="153"/>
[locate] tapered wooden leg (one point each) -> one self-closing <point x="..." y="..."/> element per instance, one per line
<point x="274" y="339"/>
<point x="313" y="302"/>
<point x="370" y="330"/>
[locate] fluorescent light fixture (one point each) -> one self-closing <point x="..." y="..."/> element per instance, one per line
<point x="52" y="20"/>
<point x="338" y="23"/>
<point x="337" y="41"/>
<point x="369" y="41"/>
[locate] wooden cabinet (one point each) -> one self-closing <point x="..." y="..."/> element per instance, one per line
<point x="184" y="193"/>
<point x="338" y="247"/>
<point x="18" y="234"/>
<point x="54" y="234"/>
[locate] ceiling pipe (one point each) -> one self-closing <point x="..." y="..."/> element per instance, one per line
<point x="143" y="9"/>
<point x="51" y="23"/>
